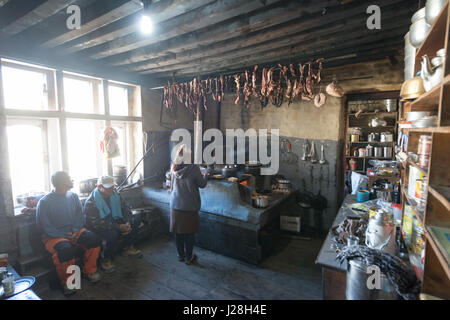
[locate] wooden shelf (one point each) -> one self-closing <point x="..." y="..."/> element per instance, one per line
<point x="421" y="169"/>
<point x="373" y="113"/>
<point x="435" y="39"/>
<point x="428" y="130"/>
<point x="440" y="252"/>
<point x="442" y="194"/>
<point x="417" y="213"/>
<point x="374" y="142"/>
<point x="379" y="158"/>
<point x="417" y="268"/>
<point x="429" y="101"/>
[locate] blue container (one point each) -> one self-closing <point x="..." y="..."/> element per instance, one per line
<point x="362" y="195"/>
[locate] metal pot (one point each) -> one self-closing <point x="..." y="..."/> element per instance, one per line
<point x="432" y="10"/>
<point x="369" y="150"/>
<point x="391" y="105"/>
<point x="419" y="28"/>
<point x="416" y="115"/>
<point x="410" y="58"/>
<point x="229" y="171"/>
<point x="373" y="137"/>
<point x="386" y="137"/>
<point x="261" y="201"/>
<point x="381" y="232"/>
<point x="87" y="186"/>
<point x="387" y="152"/>
<point x="378" y="152"/>
<point x="356" y="284"/>
<point x="253" y="168"/>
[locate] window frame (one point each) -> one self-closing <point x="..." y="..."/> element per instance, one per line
<point x="56" y="111"/>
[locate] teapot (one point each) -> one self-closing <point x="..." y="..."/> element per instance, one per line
<point x="432" y="72"/>
<point x="380" y="232"/>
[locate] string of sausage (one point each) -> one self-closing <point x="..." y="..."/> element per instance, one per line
<point x="274" y="86"/>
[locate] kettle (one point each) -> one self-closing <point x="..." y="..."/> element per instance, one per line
<point x="432" y="72"/>
<point x="381" y="232"/>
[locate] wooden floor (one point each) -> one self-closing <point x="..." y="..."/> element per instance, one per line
<point x="289" y="274"/>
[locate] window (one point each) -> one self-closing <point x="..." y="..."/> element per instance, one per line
<point x="28" y="160"/>
<point x="118" y="100"/>
<point x="35" y="138"/>
<point x="82" y="95"/>
<point x="83" y="145"/>
<point x="16" y="81"/>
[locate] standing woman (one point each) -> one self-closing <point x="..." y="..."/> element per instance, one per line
<point x="185" y="202"/>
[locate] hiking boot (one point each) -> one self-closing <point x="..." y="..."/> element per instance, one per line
<point x="133" y="252"/>
<point x="107" y="266"/>
<point x="68" y="292"/>
<point x="93" y="277"/>
<point x="191" y="260"/>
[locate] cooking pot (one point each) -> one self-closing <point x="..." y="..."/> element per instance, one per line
<point x="369" y="150"/>
<point x="378" y="152"/>
<point x="373" y="137"/>
<point x="253" y="168"/>
<point x="391" y="105"/>
<point x="88" y="185"/>
<point x="416" y="115"/>
<point x="229" y="171"/>
<point x="356" y="284"/>
<point x="410" y="58"/>
<point x="419" y="28"/>
<point x="412" y="88"/>
<point x="387" y="152"/>
<point x="432" y="10"/>
<point x="261" y="201"/>
<point x="386" y="137"/>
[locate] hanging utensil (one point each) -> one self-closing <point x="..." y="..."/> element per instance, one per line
<point x="312" y="154"/>
<point x="322" y="157"/>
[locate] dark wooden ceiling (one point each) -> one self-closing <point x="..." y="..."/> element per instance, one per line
<point x="199" y="37"/>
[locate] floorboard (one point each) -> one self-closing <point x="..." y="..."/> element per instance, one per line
<point x="288" y="274"/>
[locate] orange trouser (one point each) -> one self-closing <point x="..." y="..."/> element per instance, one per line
<point x="64" y="251"/>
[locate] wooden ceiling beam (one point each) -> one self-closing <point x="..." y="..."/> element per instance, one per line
<point x="160" y="11"/>
<point x="204" y="17"/>
<point x="113" y="13"/>
<point x="393" y="19"/>
<point x="341" y="18"/>
<point x="314" y="51"/>
<point x="239" y="26"/>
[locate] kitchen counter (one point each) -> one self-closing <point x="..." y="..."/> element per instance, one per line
<point x="333" y="273"/>
<point x="228" y="224"/>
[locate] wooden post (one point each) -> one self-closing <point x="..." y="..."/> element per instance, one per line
<point x="62" y="120"/>
<point x="107" y="122"/>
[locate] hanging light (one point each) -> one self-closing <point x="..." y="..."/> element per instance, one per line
<point x="146" y="23"/>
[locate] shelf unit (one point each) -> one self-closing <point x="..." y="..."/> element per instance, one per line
<point x="364" y="100"/>
<point x="436" y="267"/>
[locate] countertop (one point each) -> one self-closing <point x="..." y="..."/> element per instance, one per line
<point x="327" y="255"/>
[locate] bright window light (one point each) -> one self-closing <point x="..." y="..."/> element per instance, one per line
<point x="24" y="89"/>
<point x="118" y="101"/>
<point x="25" y="143"/>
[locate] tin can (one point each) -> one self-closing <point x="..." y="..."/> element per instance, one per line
<point x="424" y="145"/>
<point x="355" y="137"/>
<point x="424" y="160"/>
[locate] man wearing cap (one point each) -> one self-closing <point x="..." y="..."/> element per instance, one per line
<point x="60" y="219"/>
<point x="108" y="215"/>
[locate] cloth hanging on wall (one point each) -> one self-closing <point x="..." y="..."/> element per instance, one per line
<point x="109" y="144"/>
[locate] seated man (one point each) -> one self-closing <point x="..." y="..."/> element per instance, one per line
<point x="59" y="217"/>
<point x="108" y="215"/>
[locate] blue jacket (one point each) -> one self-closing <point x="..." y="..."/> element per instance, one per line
<point x="184" y="188"/>
<point x="57" y="215"/>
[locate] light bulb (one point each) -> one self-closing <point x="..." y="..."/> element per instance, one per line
<point x="146" y="24"/>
